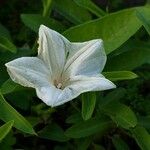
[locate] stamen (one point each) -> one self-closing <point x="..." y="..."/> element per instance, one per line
<point x="59" y="85"/>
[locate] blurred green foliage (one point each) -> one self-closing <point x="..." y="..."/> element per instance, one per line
<point x="115" y="119"/>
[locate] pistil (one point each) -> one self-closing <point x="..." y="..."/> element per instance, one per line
<point x="57" y="84"/>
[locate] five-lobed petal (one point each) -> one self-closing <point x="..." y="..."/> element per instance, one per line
<point x="62" y="70"/>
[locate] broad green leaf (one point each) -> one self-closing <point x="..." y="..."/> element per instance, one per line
<point x="4" y="130"/>
<point x="112" y="97"/>
<point x="88" y="104"/>
<point x="89" y="127"/>
<point x="119" y="143"/>
<point x="7" y="113"/>
<point x="142" y="137"/>
<point x="33" y="21"/>
<point x="4" y="32"/>
<point x="83" y="143"/>
<point x="114" y="29"/>
<point x="6" y="44"/>
<point x="25" y="102"/>
<point x="14" y="91"/>
<point x="8" y="142"/>
<point x="144" y="121"/>
<point x="34" y="120"/>
<point x="119" y="75"/>
<point x="9" y="86"/>
<point x="121" y="114"/>
<point x="129" y="60"/>
<point x="89" y="5"/>
<point x="71" y="11"/>
<point x="53" y="132"/>
<point x="74" y="118"/>
<point x="144" y="15"/>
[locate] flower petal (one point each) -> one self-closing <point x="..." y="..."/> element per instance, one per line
<point x="31" y="72"/>
<point x="86" y="58"/>
<point x="81" y="84"/>
<point x="52" y="50"/>
<point x="48" y="94"/>
<point x="28" y="71"/>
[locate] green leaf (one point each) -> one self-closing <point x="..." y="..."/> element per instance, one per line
<point x="4" y="32"/>
<point x="4" y="130"/>
<point x="144" y="121"/>
<point x="33" y="21"/>
<point x="112" y="97"/>
<point x="53" y="132"/>
<point x="119" y="75"/>
<point x="7" y="113"/>
<point x="71" y="11"/>
<point x="84" y="143"/>
<point x="88" y="104"/>
<point x="74" y="118"/>
<point x="89" y="5"/>
<point x="6" y="44"/>
<point x="129" y="60"/>
<point x="25" y="102"/>
<point x="9" y="86"/>
<point x="89" y="127"/>
<point x="119" y="143"/>
<point x="121" y="114"/>
<point x="8" y="142"/>
<point x="142" y="137"/>
<point x="114" y="29"/>
<point x="144" y="15"/>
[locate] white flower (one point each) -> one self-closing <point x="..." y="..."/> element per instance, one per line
<point x="62" y="70"/>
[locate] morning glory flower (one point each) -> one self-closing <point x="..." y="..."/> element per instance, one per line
<point x="62" y="70"/>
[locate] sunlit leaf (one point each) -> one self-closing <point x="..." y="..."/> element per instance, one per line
<point x="119" y="75"/>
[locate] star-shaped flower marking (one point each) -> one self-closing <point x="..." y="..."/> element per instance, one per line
<point x="62" y="70"/>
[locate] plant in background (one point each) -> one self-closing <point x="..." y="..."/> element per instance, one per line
<point x="107" y="120"/>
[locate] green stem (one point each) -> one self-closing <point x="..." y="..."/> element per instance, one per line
<point x="47" y="7"/>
